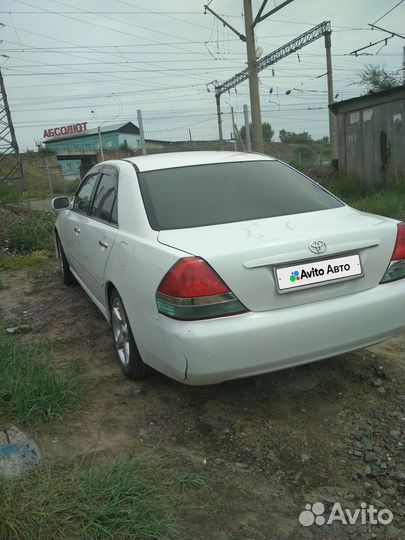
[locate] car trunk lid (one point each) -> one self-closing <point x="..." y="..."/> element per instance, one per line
<point x="246" y="255"/>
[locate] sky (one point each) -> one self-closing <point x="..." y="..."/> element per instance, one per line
<point x="99" y="61"/>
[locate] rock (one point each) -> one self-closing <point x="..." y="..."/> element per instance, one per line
<point x="19" y="328"/>
<point x="315" y="454"/>
<point x="239" y="465"/>
<point x="385" y="483"/>
<point x="395" y="433"/>
<point x="377" y="382"/>
<point x="383" y="465"/>
<point x="305" y="457"/>
<point x="376" y="502"/>
<point x="400" y="476"/>
<point x="19" y="455"/>
<point x="227" y="430"/>
<point x="393" y="531"/>
<point x="381" y="390"/>
<point x="357" y="453"/>
<point x="366" y="443"/>
<point x="367" y="470"/>
<point x="370" y="457"/>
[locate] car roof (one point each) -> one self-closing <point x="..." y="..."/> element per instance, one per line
<point x="170" y="160"/>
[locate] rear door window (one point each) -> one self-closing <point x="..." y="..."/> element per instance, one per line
<point x="104" y="205"/>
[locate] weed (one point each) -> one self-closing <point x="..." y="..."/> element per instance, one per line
<point x="9" y="193"/>
<point x="32" y="232"/>
<point x="119" y="500"/>
<point x="31" y="385"/>
<point x="19" y="262"/>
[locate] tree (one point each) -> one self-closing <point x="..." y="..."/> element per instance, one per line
<point x="266" y="129"/>
<point x="376" y="78"/>
<point x="291" y="137"/>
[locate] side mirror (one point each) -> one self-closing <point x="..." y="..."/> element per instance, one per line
<point x="59" y="203"/>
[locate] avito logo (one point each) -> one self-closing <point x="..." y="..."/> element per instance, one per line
<point x="295" y="276"/>
<point x="313" y="272"/>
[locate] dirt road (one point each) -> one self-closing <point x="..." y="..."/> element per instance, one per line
<point x="327" y="432"/>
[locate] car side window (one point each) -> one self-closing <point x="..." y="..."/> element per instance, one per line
<point x="84" y="195"/>
<point x="105" y="205"/>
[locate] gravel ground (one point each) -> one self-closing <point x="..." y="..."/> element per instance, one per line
<point x="328" y="432"/>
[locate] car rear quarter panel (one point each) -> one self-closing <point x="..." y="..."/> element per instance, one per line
<point x="135" y="268"/>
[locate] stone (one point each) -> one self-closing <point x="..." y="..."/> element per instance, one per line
<point x="19" y="328"/>
<point x="19" y="455"/>
<point x="369" y="457"/>
<point x="385" y="483"/>
<point x="395" y="433"/>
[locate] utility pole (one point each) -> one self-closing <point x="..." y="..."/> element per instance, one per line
<point x="219" y="116"/>
<point x="257" y="133"/>
<point x="331" y="99"/>
<point x="249" y="39"/>
<point x="100" y="141"/>
<point x="11" y="169"/>
<point x="403" y="64"/>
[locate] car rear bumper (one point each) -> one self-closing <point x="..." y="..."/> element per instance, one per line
<point x="243" y="345"/>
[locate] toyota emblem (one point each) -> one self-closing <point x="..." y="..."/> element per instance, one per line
<point x="317" y="246"/>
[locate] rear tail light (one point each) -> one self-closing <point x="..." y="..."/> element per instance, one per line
<point x="396" y="268"/>
<point x="192" y="290"/>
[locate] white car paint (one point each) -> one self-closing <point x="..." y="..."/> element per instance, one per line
<point x="279" y="330"/>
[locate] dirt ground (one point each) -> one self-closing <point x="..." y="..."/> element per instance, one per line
<point x="327" y="432"/>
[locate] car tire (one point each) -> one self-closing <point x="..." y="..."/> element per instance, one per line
<point x="67" y="276"/>
<point x="127" y="352"/>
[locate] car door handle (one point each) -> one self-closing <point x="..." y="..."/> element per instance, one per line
<point x="77" y="230"/>
<point x="103" y="244"/>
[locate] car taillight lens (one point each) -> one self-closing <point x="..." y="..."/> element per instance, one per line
<point x="192" y="290"/>
<point x="396" y="268"/>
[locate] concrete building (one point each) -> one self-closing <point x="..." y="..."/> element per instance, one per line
<point x="78" y="151"/>
<point x="371" y="137"/>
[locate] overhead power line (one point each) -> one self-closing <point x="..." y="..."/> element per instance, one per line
<point x="389" y="11"/>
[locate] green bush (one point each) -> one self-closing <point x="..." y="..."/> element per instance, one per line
<point x="346" y="187"/>
<point x="32" y="232"/>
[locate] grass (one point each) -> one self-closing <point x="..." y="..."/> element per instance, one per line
<point x="389" y="202"/>
<point x="9" y="194"/>
<point x="32" y="387"/>
<point x="20" y="262"/>
<point x="120" y="500"/>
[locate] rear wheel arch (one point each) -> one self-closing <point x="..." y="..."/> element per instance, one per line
<point x="127" y="352"/>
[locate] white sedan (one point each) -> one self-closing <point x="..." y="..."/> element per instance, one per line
<point x="212" y="266"/>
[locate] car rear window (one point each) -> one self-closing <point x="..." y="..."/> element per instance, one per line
<point x="196" y="196"/>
